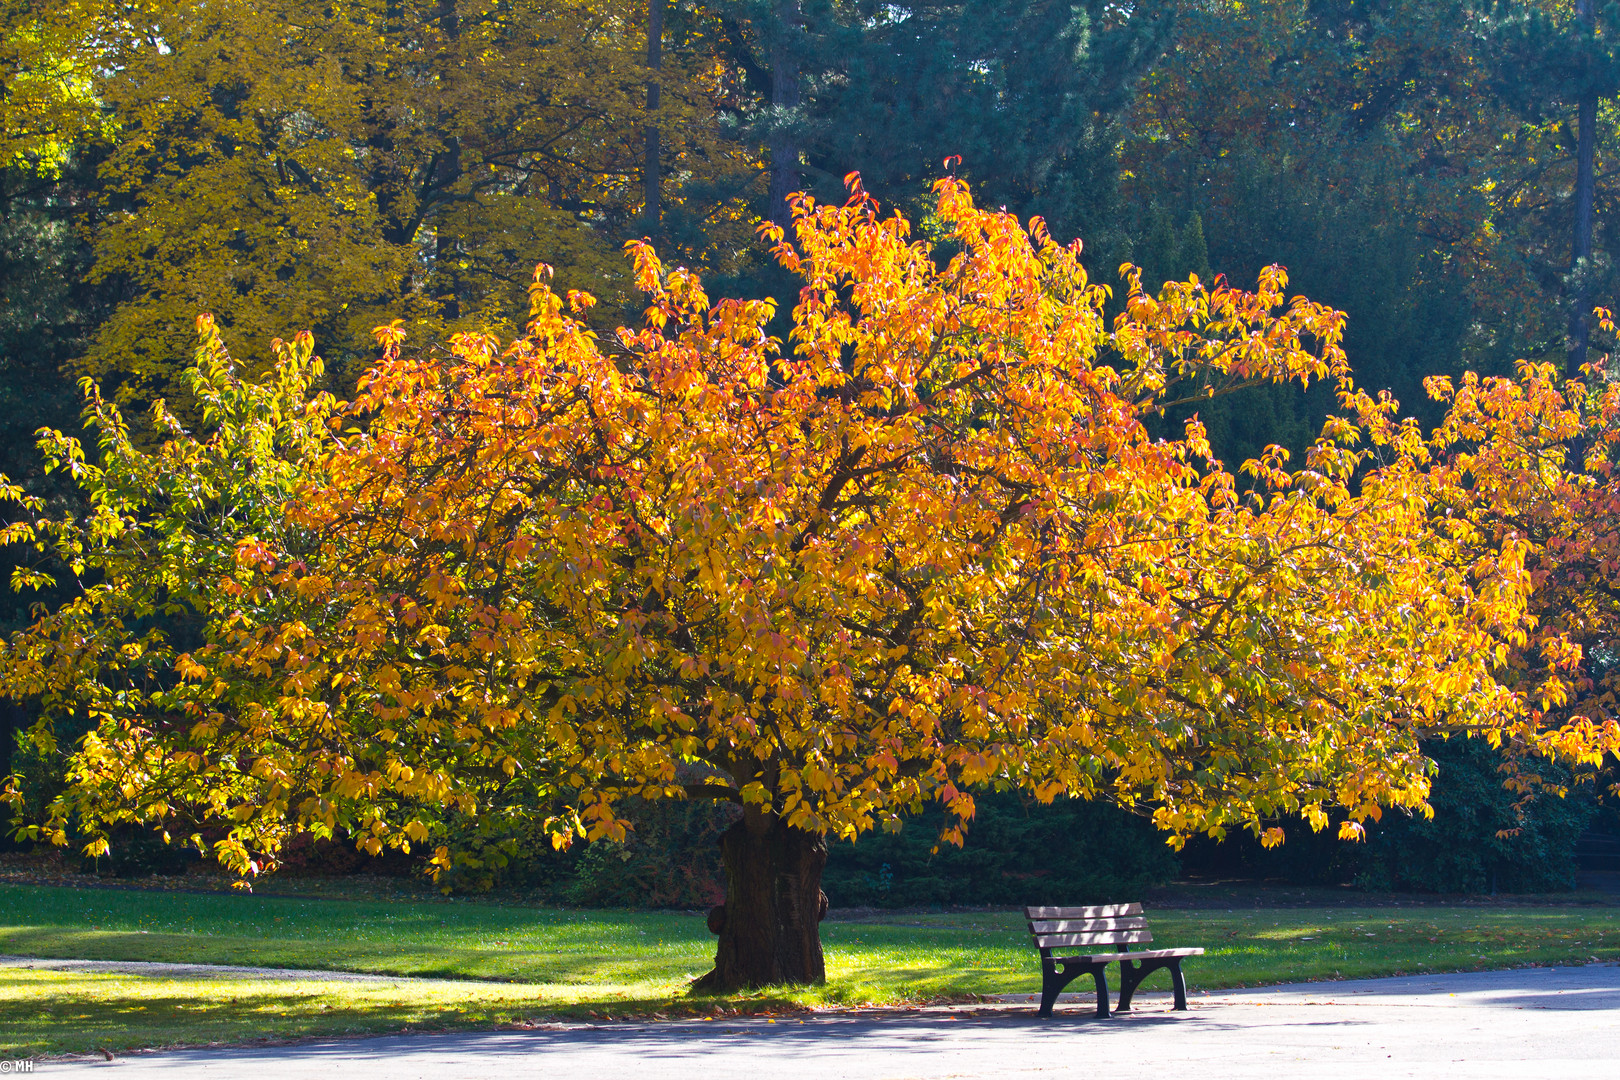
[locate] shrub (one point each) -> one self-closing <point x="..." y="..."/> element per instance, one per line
<point x="670" y="858"/>
<point x="1016" y="852"/>
<point x="1458" y="851"/>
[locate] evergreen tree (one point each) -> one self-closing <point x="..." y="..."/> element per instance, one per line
<point x="1026" y="96"/>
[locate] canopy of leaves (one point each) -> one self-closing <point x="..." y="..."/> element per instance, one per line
<point x="928" y="546"/>
<point x="301" y="165"/>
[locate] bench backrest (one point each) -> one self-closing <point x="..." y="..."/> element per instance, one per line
<point x="1120" y="925"/>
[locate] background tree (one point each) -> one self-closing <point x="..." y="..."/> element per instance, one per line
<point x="47" y="309"/>
<point x="48" y="59"/>
<point x="1556" y="68"/>
<point x="302" y="166"/>
<point x="1027" y="94"/>
<point x="1411" y="164"/>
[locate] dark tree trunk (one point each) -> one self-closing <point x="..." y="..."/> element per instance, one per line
<point x="1581" y="247"/>
<point x="769" y="926"/>
<point x="784" y="144"/>
<point x="445" y="175"/>
<point x="655" y="61"/>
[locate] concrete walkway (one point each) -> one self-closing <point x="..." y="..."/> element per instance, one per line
<point x="1538" y="1022"/>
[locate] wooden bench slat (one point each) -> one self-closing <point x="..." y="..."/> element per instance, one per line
<point x="1140" y="954"/>
<point x="1100" y="911"/>
<point x="1107" y="937"/>
<point x="1085" y="926"/>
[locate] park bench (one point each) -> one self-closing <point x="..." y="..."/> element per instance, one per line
<point x="1066" y="936"/>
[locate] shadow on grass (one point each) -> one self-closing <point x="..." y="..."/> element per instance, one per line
<point x="525" y="962"/>
<point x="49" y="1012"/>
<point x="36" y="1020"/>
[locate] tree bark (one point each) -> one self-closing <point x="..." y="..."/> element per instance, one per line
<point x="784" y="145"/>
<point x="769" y="926"/>
<point x="446" y="173"/>
<point x="1581" y="245"/>
<point x="650" y="167"/>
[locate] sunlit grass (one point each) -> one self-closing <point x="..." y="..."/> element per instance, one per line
<point x="514" y="963"/>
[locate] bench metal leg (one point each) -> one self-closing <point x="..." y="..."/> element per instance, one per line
<point x="1130" y="977"/>
<point x="1179" y="981"/>
<point x="1054" y="978"/>
<point x="1052" y="984"/>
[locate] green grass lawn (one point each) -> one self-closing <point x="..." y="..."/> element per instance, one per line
<point x="513" y="963"/>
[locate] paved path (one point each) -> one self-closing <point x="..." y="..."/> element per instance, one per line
<point x="1538" y="1022"/>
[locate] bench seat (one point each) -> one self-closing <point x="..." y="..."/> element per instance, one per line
<point x="1061" y="933"/>
<point x="1145" y="954"/>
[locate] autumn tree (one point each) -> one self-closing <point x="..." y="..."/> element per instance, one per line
<point x="925" y="547"/>
<point x="48" y="58"/>
<point x="1535" y="457"/>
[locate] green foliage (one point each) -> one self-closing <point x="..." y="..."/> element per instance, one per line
<point x="1027" y="97"/>
<point x="37" y="764"/>
<point x="670" y="858"/>
<point x="144" y="557"/>
<point x="138" y="853"/>
<point x="1017" y="852"/>
<point x="1463" y="849"/>
<point x="1458" y="851"/>
<point x="46" y="314"/>
<point x="1029" y="94"/>
<point x="1377" y="152"/>
<point x="47" y="311"/>
<point x="1242" y="425"/>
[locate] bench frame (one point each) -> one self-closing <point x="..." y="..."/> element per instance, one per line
<point x="1057" y="930"/>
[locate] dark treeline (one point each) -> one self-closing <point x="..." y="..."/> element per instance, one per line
<point x="1418" y="165"/>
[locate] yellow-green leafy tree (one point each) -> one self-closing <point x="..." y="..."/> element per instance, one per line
<point x="48" y="59"/>
<point x="295" y="164"/>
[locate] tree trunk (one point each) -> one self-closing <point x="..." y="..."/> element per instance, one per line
<point x="650" y="166"/>
<point x="1581" y="247"/>
<point x="446" y="173"/>
<point x="784" y="144"/>
<point x="769" y="925"/>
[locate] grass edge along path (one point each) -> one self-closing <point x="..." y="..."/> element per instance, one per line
<point x="508" y="964"/>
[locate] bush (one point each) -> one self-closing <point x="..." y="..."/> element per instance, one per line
<point x="1460" y="851"/>
<point x="1017" y="852"/>
<point x="139" y="853"/>
<point x="670" y="859"/>
<point x="1456" y="852"/>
